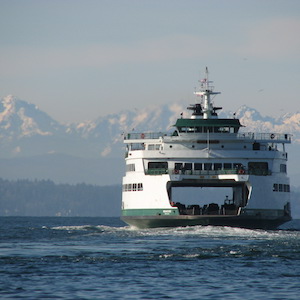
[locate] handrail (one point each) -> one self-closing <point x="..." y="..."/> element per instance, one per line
<point x="276" y="137"/>
<point x="161" y="171"/>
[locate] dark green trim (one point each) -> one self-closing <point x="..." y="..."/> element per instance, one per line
<point x="151" y="212"/>
<point x="208" y="122"/>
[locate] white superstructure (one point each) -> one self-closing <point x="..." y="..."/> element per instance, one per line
<point x="205" y="151"/>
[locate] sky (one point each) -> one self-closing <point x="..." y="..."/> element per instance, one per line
<point x="81" y="59"/>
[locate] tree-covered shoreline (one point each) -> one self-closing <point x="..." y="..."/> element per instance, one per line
<point x="45" y="198"/>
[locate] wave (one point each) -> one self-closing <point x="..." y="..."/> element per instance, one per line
<point x="289" y="229"/>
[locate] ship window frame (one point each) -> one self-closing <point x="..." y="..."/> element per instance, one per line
<point x="283" y="168"/>
<point x="227" y="166"/>
<point x="237" y="165"/>
<point x="152" y="165"/>
<point x="130" y="167"/>
<point x="188" y="166"/>
<point x="207" y="166"/>
<point x="178" y="166"/>
<point x="196" y="165"/>
<point x="224" y="129"/>
<point x="217" y="166"/>
<point x="140" y="186"/>
<point x="287" y="188"/>
<point x="258" y="167"/>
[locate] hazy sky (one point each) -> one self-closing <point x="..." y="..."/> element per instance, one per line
<point x="80" y="59"/>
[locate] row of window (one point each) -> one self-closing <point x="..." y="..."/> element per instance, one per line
<point x="252" y="166"/>
<point x="210" y="166"/>
<point x="132" y="187"/>
<point x="194" y="166"/>
<point x="209" y="129"/>
<point x="278" y="187"/>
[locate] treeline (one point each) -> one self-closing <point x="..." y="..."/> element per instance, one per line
<point x="45" y="198"/>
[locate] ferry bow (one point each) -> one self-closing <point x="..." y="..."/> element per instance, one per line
<point x="205" y="151"/>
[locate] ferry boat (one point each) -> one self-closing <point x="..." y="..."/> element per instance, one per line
<point x="206" y="152"/>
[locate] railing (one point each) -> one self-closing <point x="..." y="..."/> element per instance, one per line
<point x="276" y="137"/>
<point x="142" y="135"/>
<point x="157" y="171"/>
<point x="265" y="136"/>
<point x="161" y="171"/>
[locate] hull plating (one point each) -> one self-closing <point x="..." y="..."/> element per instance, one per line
<point x="251" y="222"/>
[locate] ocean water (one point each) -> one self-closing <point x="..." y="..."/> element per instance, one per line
<point x="102" y="258"/>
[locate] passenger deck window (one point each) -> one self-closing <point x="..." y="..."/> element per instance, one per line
<point x="140" y="186"/>
<point x="198" y="166"/>
<point x="188" y="166"/>
<point x="227" y="166"/>
<point x="217" y="166"/>
<point x="258" y="168"/>
<point x="158" y="165"/>
<point x="208" y="166"/>
<point x="178" y="166"/>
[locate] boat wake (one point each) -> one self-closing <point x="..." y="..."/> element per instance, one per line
<point x="192" y="231"/>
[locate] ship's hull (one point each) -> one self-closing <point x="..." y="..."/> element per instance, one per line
<point x="241" y="221"/>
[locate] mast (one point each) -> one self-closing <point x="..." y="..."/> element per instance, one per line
<point x="206" y="90"/>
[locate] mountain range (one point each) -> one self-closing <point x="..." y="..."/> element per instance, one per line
<point x="35" y="146"/>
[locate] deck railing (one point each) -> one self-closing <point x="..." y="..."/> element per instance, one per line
<point x="276" y="137"/>
<point x="161" y="171"/>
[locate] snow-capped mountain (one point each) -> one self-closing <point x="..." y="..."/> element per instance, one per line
<point x="19" y="119"/>
<point x="254" y="121"/>
<point x="26" y="130"/>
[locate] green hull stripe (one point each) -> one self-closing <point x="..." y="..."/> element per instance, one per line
<point x="151" y="212"/>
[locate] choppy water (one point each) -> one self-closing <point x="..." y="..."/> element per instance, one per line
<point x="102" y="258"/>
